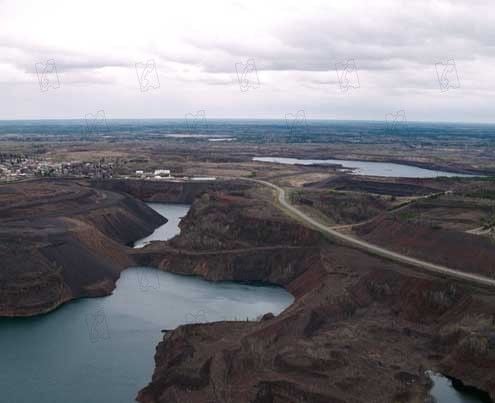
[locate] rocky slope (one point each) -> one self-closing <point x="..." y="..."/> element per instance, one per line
<point x="360" y="330"/>
<point x="226" y="236"/>
<point x="61" y="240"/>
<point x="456" y="249"/>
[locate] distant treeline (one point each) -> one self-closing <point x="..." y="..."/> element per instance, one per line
<point x="420" y="134"/>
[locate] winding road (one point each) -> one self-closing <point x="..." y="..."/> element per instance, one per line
<point x="374" y="249"/>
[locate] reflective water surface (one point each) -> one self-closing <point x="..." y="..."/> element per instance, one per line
<point x="444" y="392"/>
<point x="174" y="213"/>
<point x="385" y="169"/>
<point x="101" y="349"/>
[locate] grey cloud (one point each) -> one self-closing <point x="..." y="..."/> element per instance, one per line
<point x="24" y="56"/>
<point x="395" y="45"/>
<point x="420" y="34"/>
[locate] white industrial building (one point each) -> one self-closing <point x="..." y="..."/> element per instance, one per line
<point x="162" y="173"/>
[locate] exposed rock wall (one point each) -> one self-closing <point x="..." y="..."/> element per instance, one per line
<point x="61" y="240"/>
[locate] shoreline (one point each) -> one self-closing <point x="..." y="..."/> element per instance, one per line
<point x="473" y="173"/>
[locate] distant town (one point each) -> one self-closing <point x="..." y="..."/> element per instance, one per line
<point x="17" y="167"/>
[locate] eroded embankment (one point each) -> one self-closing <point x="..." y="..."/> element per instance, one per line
<point x="361" y="329"/>
<point x="61" y="240"/>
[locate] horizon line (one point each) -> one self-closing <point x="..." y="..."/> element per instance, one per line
<point x="253" y="119"/>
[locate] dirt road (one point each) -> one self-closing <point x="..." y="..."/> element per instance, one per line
<point x="374" y="249"/>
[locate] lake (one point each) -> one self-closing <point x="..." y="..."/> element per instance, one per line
<point x="385" y="169"/>
<point x="101" y="349"/>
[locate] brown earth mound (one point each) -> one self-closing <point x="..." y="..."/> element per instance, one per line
<point x="455" y="249"/>
<point x="61" y="240"/>
<point x="343" y="207"/>
<point x="383" y="186"/>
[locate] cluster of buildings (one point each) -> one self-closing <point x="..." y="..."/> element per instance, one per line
<point x="101" y="170"/>
<point x="13" y="168"/>
<point x="157" y="174"/>
<point x="16" y="168"/>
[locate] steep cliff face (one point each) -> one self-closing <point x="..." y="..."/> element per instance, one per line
<point x="360" y="330"/>
<point x="220" y="220"/>
<point x="278" y="265"/>
<point x="229" y="236"/>
<point x="125" y="221"/>
<point x="61" y="240"/>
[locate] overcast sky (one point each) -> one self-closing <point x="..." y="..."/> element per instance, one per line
<point x="255" y="59"/>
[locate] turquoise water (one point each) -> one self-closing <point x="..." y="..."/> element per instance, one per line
<point x="384" y="169"/>
<point x="174" y="213"/>
<point x="101" y="349"/>
<point x="444" y="392"/>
